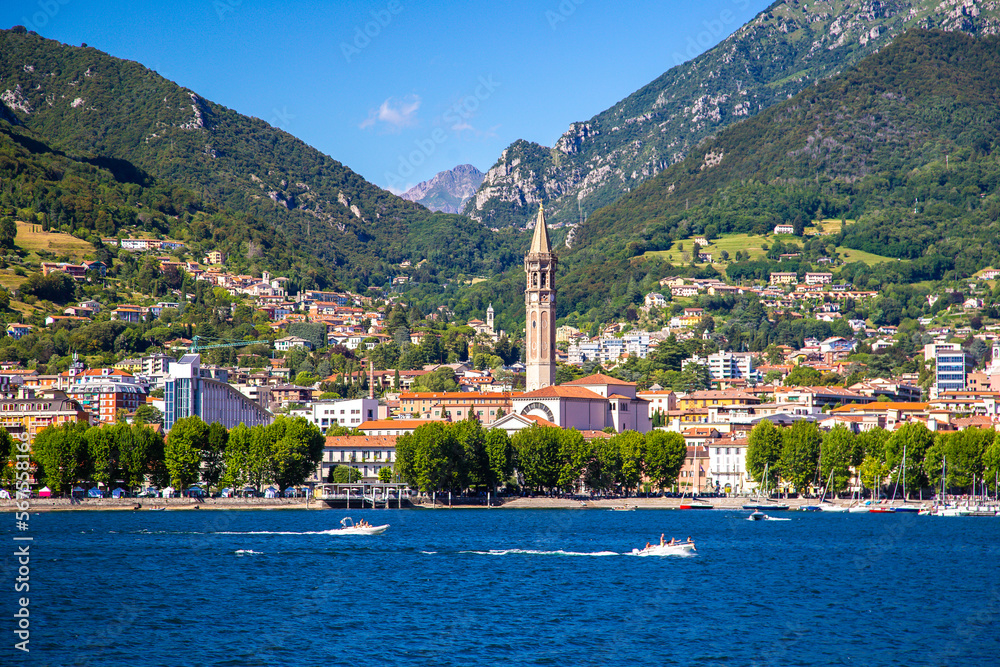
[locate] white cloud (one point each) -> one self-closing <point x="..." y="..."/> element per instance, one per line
<point x="393" y="114"/>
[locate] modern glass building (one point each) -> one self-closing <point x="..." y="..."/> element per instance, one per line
<point x="950" y="370"/>
<point x="187" y="393"/>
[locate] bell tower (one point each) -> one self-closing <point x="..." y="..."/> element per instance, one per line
<point x="540" y="309"/>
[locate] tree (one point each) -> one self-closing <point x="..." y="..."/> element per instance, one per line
<point x="183" y="451"/>
<point x="213" y="456"/>
<point x="474" y="467"/>
<point x="297" y="450"/>
<point x="665" y="454"/>
<point x="13" y="467"/>
<point x="501" y="456"/>
<point x="305" y="379"/>
<point x="385" y="475"/>
<point x="802" y="376"/>
<point x="764" y="447"/>
<point x="837" y="456"/>
<point x="800" y="454"/>
<point x="538" y="456"/>
<point x="141" y="452"/>
<point x="148" y="414"/>
<point x="963" y="451"/>
<point x="62" y="453"/>
<point x="631" y="447"/>
<point x="8" y="231"/>
<point x="575" y="453"/>
<point x="425" y="458"/>
<point x="237" y="459"/>
<point x="342" y="474"/>
<point x="605" y="472"/>
<point x="102" y="447"/>
<point x="915" y="439"/>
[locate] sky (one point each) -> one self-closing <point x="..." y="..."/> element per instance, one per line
<point x="394" y="89"/>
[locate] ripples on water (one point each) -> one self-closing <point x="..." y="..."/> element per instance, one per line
<point x="510" y="586"/>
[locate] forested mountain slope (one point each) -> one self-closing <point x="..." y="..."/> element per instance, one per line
<point x="82" y="101"/>
<point x="905" y="143"/>
<point x="786" y="48"/>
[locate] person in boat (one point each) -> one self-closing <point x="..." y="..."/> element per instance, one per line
<point x="648" y="545"/>
<point x="661" y="539"/>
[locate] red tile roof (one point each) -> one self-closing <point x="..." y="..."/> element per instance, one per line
<point x="598" y="378"/>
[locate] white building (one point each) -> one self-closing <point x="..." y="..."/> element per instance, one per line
<point x="727" y="464"/>
<point x="592" y="403"/>
<point x="348" y="412"/>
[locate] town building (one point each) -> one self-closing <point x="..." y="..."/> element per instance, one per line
<point x="30" y="412"/>
<point x="949" y="370"/>
<point x="187" y="393"/>
<point x="367" y="454"/>
<point x="348" y="412"/>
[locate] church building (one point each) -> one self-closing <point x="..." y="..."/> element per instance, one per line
<point x="589" y="404"/>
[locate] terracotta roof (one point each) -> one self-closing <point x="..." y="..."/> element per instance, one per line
<point x="394" y="423"/>
<point x="359" y="440"/>
<point x="598" y="378"/>
<point x="882" y="407"/>
<point x="540" y="421"/>
<point x="562" y="391"/>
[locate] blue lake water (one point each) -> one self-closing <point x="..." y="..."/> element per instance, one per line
<point x="545" y="587"/>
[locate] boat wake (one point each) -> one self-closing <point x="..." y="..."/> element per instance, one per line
<point x="536" y="552"/>
<point x="248" y="552"/>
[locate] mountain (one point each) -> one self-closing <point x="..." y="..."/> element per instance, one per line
<point x="905" y="144"/>
<point x="784" y="49"/>
<point x="447" y="191"/>
<point x="84" y="102"/>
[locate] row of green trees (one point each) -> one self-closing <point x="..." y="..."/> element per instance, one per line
<point x="802" y="456"/>
<point x="461" y="456"/>
<point x="285" y="453"/>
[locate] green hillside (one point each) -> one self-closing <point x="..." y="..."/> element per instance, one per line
<point x="904" y="144"/>
<point x="146" y="130"/>
<point x="783" y="50"/>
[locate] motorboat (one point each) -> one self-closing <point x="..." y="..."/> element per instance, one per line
<point x="667" y="549"/>
<point x="759" y="516"/>
<point x="348" y="527"/>
<point x="696" y="506"/>
<point x="829" y="507"/>
<point x="766" y="506"/>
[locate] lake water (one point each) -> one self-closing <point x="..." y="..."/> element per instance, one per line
<point x="545" y="587"/>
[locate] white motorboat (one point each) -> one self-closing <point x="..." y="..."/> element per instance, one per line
<point x="829" y="507"/>
<point x="758" y="516"/>
<point x="668" y="549"/>
<point x="348" y="527"/>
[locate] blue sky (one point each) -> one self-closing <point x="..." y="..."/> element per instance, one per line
<point x="394" y="89"/>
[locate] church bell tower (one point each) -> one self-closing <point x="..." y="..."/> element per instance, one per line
<point x="540" y="309"/>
